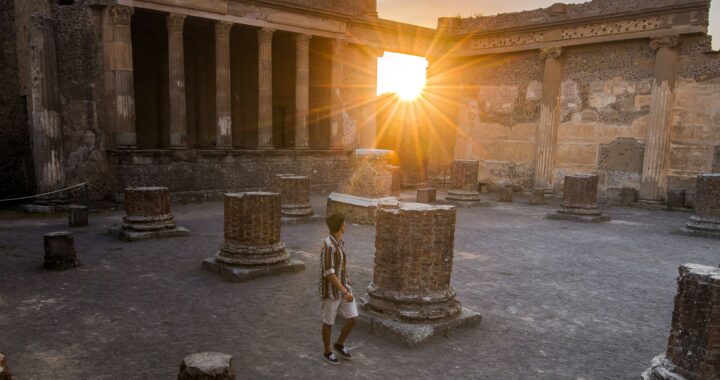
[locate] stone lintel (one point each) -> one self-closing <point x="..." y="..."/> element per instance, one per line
<point x="233" y="273"/>
<point x="356" y="209"/>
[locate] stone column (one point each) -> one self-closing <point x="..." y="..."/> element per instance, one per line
<point x="464" y="183"/>
<point x="265" y="95"/>
<point x="176" y="72"/>
<point x="657" y="140"/>
<point x="294" y="192"/>
<point x="706" y="219"/>
<point x="368" y="123"/>
<point x="223" y="83"/>
<point x="547" y="130"/>
<point x="336" y="107"/>
<point x="119" y="81"/>
<point x="302" y="91"/>
<point x="148" y="215"/>
<point x="45" y="124"/>
<point x="579" y="200"/>
<point x="693" y="350"/>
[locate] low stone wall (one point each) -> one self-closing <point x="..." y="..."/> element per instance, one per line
<point x="207" y="174"/>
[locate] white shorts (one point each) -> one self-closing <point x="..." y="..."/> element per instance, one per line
<point x="331" y="307"/>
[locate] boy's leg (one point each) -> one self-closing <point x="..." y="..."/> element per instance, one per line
<point x="326" y="332"/>
<point x="349" y="311"/>
<point x="329" y="311"/>
<point x="347" y="328"/>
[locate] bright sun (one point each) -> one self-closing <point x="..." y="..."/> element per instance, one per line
<point x="402" y="74"/>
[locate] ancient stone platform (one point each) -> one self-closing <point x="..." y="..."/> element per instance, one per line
<point x="579" y="200"/>
<point x="706" y="220"/>
<point x="464" y="184"/>
<point x="207" y="366"/>
<point x="252" y="246"/>
<point x="147" y="216"/>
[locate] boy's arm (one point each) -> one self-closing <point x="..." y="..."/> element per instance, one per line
<point x="336" y="283"/>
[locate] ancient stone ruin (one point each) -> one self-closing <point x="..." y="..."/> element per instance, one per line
<point x="693" y="349"/>
<point x="537" y="197"/>
<point x="294" y="191"/>
<point x="78" y="216"/>
<point x="60" y="251"/>
<point x="410" y="294"/>
<point x="706" y="219"/>
<point x="464" y="184"/>
<point x="207" y="366"/>
<point x="505" y="194"/>
<point x="428" y="195"/>
<point x="252" y="246"/>
<point x="5" y="373"/>
<point x="147" y="216"/>
<point x="579" y="200"/>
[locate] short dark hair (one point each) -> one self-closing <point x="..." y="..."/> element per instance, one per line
<point x="335" y="222"/>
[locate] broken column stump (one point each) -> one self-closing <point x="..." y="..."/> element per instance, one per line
<point x="294" y="192"/>
<point x="60" y="251"/>
<point x="5" y="373"/>
<point x="252" y="245"/>
<point x="505" y="194"/>
<point x="705" y="221"/>
<point x="537" y="197"/>
<point x="464" y="184"/>
<point x="410" y="296"/>
<point x="78" y="216"/>
<point x="207" y="366"/>
<point x="675" y="200"/>
<point x="693" y="349"/>
<point x="579" y="200"/>
<point x="426" y="195"/>
<point x="628" y="196"/>
<point x="147" y="216"/>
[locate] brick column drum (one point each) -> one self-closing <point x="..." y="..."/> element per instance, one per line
<point x="706" y="220"/>
<point x="148" y="215"/>
<point x="59" y="251"/>
<point x="580" y="200"/>
<point x="294" y="192"/>
<point x="693" y="350"/>
<point x="464" y="180"/>
<point x="252" y="238"/>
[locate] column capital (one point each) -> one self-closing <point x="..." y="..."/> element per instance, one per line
<point x="668" y="42"/>
<point x="265" y="36"/>
<point x="550" y="52"/>
<point x="223" y="29"/>
<point x="175" y="22"/>
<point x="302" y="41"/>
<point x="121" y="14"/>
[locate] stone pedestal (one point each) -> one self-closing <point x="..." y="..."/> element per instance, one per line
<point x="148" y="215"/>
<point x="580" y="200"/>
<point x="78" y="216"/>
<point x="426" y="195"/>
<point x="4" y="369"/>
<point x="675" y="200"/>
<point x="252" y="245"/>
<point x="505" y="194"/>
<point x="207" y="366"/>
<point x="693" y="349"/>
<point x="706" y="220"/>
<point x="294" y="193"/>
<point x="411" y="295"/>
<point x="628" y="196"/>
<point x="60" y="251"/>
<point x="464" y="184"/>
<point x="537" y="197"/>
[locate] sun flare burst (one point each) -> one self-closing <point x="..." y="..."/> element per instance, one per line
<point x="402" y="74"/>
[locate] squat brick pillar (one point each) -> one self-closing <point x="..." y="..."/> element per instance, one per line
<point x="176" y="72"/>
<point x="222" y="85"/>
<point x="207" y="366"/>
<point x="265" y="89"/>
<point x="657" y="140"/>
<point x="119" y="81"/>
<point x="547" y="130"/>
<point x="302" y="91"/>
<point x="294" y="192"/>
<point x="60" y="251"/>
<point x="464" y="183"/>
<point x="336" y="108"/>
<point x="579" y="200"/>
<point x="148" y="215"/>
<point x="693" y="350"/>
<point x="706" y="220"/>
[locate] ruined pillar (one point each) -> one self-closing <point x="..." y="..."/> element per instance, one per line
<point x="148" y="215"/>
<point x="336" y="107"/>
<point x="537" y="197"/>
<point x="45" y="123"/>
<point x="657" y="140"/>
<point x="464" y="180"/>
<point x="367" y="134"/>
<point x="176" y="72"/>
<point x="59" y="251"/>
<point x="302" y="91"/>
<point x="265" y="95"/>
<point x="693" y="349"/>
<point x="207" y="366"/>
<point x="579" y="200"/>
<point x="505" y="194"/>
<point x="706" y="219"/>
<point x="119" y="81"/>
<point x="547" y="130"/>
<point x="223" y="100"/>
<point x="413" y="265"/>
<point x="294" y="192"/>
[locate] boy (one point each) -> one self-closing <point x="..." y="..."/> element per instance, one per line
<point x="336" y="289"/>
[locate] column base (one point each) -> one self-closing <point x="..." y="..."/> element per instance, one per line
<point x="650" y="204"/>
<point x="465" y="198"/>
<point x="119" y="232"/>
<point x="592" y="215"/>
<point x="661" y="368"/>
<point x="235" y="273"/>
<point x="297" y="210"/>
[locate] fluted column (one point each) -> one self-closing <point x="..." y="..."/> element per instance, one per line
<point x="265" y="95"/>
<point x="302" y="91"/>
<point x="120" y="85"/>
<point x="223" y="90"/>
<point x="176" y="71"/>
<point x="368" y="123"/>
<point x="657" y="141"/>
<point x="547" y="131"/>
<point x="336" y="108"/>
<point x="45" y="126"/>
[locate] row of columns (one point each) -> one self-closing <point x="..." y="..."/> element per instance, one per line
<point x="657" y="140"/>
<point x="119" y="83"/>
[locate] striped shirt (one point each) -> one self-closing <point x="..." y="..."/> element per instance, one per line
<point x="332" y="261"/>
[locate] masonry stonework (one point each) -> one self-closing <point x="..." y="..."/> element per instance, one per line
<point x="148" y="215"/>
<point x="706" y="219"/>
<point x="579" y="202"/>
<point x="294" y="192"/>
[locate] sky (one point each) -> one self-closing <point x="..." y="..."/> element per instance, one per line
<point x="426" y="12"/>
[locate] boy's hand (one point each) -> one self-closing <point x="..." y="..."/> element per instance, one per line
<point x="348" y="297"/>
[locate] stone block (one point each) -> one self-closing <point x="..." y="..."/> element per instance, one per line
<point x="78" y="216"/>
<point x="689" y="199"/>
<point x="628" y="196"/>
<point x="426" y="195"/>
<point x="358" y="210"/>
<point x="464" y="174"/>
<point x="371" y="175"/>
<point x="60" y="251"/>
<point x="675" y="199"/>
<point x="537" y="197"/>
<point x="623" y="154"/>
<point x="579" y="200"/>
<point x="705" y="221"/>
<point x="505" y="194"/>
<point x="207" y="366"/>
